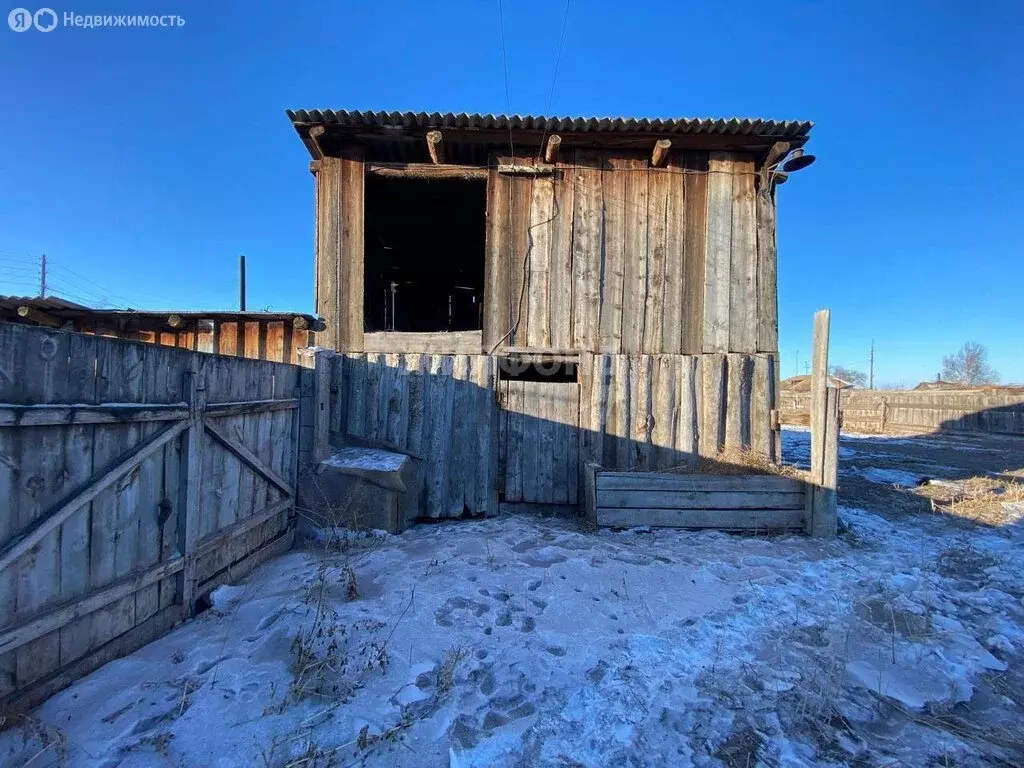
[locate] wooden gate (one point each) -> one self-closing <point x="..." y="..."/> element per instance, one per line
<point x="133" y="479"/>
<point x="539" y="440"/>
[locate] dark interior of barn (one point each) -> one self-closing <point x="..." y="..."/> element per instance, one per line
<point x="424" y="255"/>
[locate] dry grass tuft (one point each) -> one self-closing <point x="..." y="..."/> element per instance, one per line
<point x="737" y="461"/>
<point x="995" y="501"/>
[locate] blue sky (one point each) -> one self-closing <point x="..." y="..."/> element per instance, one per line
<point x="143" y="161"/>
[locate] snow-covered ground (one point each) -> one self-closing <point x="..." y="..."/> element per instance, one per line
<point x="521" y="641"/>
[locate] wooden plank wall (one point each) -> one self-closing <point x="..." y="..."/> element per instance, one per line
<point x="621" y="258"/>
<point x="339" y="249"/>
<point x="656" y="412"/>
<point x="725" y="502"/>
<point x="908" y="412"/>
<point x="272" y="340"/>
<point x="105" y="578"/>
<point x="439" y="409"/>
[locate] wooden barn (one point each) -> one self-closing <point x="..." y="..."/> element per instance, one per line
<point x="512" y="297"/>
<point x="273" y="336"/>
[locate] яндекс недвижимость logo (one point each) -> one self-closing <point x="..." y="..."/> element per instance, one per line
<point x="22" y="19"/>
<point x="46" y="20"/>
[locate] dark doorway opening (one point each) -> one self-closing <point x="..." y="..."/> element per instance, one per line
<point x="424" y="254"/>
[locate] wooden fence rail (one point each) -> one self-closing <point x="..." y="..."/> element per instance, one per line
<point x="133" y="479"/>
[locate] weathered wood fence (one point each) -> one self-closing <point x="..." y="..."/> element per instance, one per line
<point x="713" y="394"/>
<point x="897" y="412"/>
<point x="481" y="435"/>
<point x="133" y="479"/>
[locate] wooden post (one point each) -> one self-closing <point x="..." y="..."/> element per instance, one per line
<point x="191" y="477"/>
<point x="241" y="283"/>
<point x="821" y="497"/>
<point x="314" y="406"/>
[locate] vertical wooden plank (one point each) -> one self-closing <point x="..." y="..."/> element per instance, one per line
<point x="352" y="261"/>
<point x="665" y="411"/>
<point x="622" y="407"/>
<point x="713" y="402"/>
<point x="329" y="249"/>
<point x="440" y="458"/>
<point x="613" y="182"/>
<point x="587" y="248"/>
<point x="718" y="259"/>
<point x="635" y="253"/>
<point x="252" y="341"/>
<point x="374" y="371"/>
<point x="463" y="449"/>
<point x="520" y="256"/>
<point x="561" y="263"/>
<point x="761" y="438"/>
<point x="515" y="426"/>
<point x="767" y="279"/>
<point x="397" y="428"/>
<point x="356" y="366"/>
<point x="663" y="305"/>
<point x="497" y="270"/>
<point x="534" y="433"/>
<point x="539" y="299"/>
<point x="189" y="487"/>
<point x="688" y="439"/>
<point x="642" y="413"/>
<point x="227" y="339"/>
<point x="484" y="377"/>
<point x="275" y="341"/>
<point x="743" y="263"/>
<point x="570" y="443"/>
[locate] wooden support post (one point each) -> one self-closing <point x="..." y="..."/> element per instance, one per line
<point x="38" y="316"/>
<point x="660" y="153"/>
<point x="315" y="133"/>
<point x="435" y="146"/>
<point x="821" y="511"/>
<point x="188" y="504"/>
<point x="315" y="406"/>
<point x="551" y="148"/>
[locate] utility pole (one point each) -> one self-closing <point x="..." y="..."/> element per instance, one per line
<point x="42" y="277"/>
<point x="241" y="283"/>
<point x="871" y="374"/>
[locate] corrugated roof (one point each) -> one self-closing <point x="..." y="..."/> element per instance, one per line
<point x="67" y="310"/>
<point x="684" y="125"/>
<point x="46" y="304"/>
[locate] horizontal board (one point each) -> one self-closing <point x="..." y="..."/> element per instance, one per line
<point x="700" y="500"/>
<point x="724" y="519"/>
<point x="664" y="481"/>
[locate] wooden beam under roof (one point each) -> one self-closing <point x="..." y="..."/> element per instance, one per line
<point x="660" y="152"/>
<point x="551" y="148"/>
<point x="435" y="146"/>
